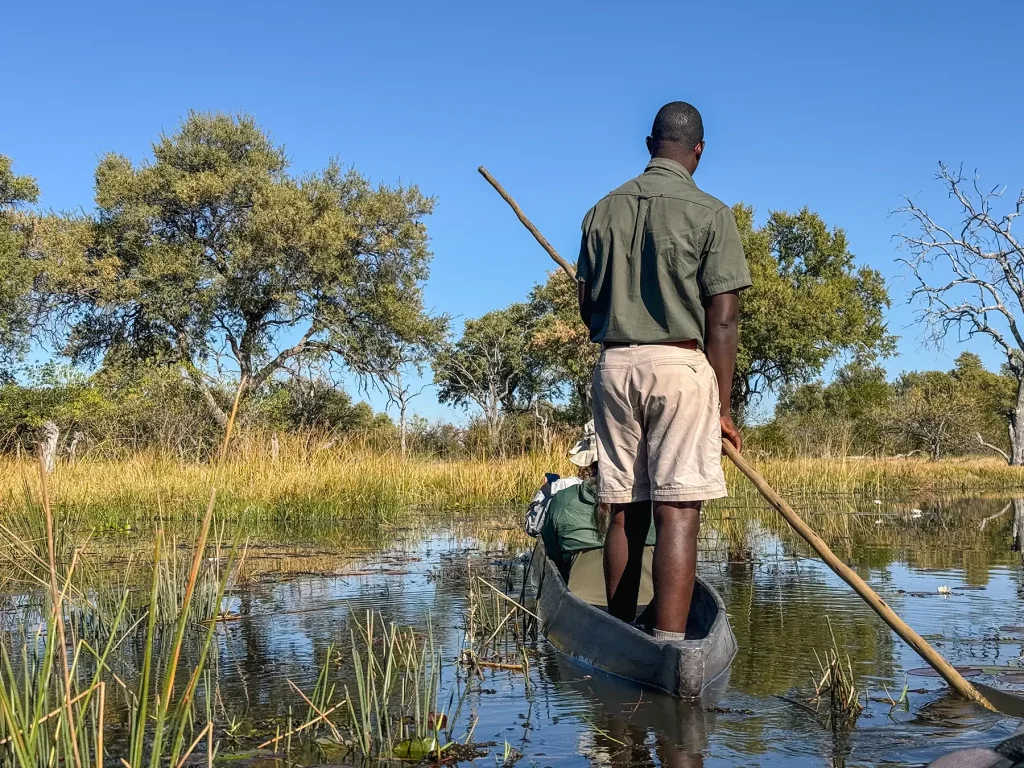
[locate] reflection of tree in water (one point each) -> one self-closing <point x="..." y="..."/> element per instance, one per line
<point x="1017" y="529"/>
<point x="954" y="532"/>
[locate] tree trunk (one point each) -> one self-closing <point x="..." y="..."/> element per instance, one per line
<point x="275" y="448"/>
<point x="1017" y="425"/>
<point x="76" y="440"/>
<point x="48" y="446"/>
<point x="401" y="425"/>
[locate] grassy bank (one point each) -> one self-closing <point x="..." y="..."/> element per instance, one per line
<point x="310" y="484"/>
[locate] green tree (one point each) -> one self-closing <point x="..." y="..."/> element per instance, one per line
<point x="809" y="304"/>
<point x="562" y="343"/>
<point x="934" y="412"/>
<point x="847" y="414"/>
<point x="493" y="366"/>
<point x="993" y="396"/>
<point x="18" y="269"/>
<point x="214" y="258"/>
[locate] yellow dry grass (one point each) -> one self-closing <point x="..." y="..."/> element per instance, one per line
<point x="320" y="482"/>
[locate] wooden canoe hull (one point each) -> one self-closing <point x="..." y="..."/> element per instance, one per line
<point x="589" y="634"/>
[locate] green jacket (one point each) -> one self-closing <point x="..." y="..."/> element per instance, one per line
<point x="569" y="526"/>
<point x="653" y="253"/>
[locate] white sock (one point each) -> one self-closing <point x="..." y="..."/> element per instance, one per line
<point x="660" y="634"/>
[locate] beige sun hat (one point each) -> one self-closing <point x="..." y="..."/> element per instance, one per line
<point x="584" y="453"/>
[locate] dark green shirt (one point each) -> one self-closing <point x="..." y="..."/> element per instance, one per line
<point x="653" y="252"/>
<point x="570" y="527"/>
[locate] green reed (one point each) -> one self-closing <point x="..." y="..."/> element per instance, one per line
<point x="394" y="709"/>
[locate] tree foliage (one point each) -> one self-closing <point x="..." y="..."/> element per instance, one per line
<point x="213" y="257"/>
<point x="18" y="269"/>
<point x="937" y="413"/>
<point x="809" y="304"/>
<point x="562" y="344"/>
<point x="494" y="365"/>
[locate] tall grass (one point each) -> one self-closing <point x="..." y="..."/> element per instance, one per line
<point x="57" y="667"/>
<point x="311" y="482"/>
<point x="54" y="683"/>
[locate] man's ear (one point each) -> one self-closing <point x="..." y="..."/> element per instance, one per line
<point x="650" y="146"/>
<point x="699" y="149"/>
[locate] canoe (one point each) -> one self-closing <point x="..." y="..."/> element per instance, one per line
<point x="585" y="631"/>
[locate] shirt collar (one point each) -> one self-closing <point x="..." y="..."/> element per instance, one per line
<point x="663" y="163"/>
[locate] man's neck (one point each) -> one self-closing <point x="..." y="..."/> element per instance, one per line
<point x="688" y="160"/>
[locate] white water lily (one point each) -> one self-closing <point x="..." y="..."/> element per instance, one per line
<point x="915" y="513"/>
<point x="944" y="590"/>
<point x="878" y="502"/>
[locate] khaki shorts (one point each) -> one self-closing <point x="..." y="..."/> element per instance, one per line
<point x="659" y="437"/>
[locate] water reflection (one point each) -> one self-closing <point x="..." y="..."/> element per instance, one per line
<point x="628" y="722"/>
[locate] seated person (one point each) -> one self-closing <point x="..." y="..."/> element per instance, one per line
<point x="573" y="526"/>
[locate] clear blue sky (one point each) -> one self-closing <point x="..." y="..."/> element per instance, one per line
<point x="841" y="107"/>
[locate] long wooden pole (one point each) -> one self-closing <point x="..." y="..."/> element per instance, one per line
<point x="847" y="574"/>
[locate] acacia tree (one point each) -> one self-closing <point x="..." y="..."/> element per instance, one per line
<point x="932" y="411"/>
<point x="18" y="269"/>
<point x="970" y="278"/>
<point x="212" y="257"/>
<point x="809" y="303"/>
<point x="493" y="366"/>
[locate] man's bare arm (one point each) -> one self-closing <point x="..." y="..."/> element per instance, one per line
<point x="721" y="338"/>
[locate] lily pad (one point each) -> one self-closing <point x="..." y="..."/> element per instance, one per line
<point x="416" y="749"/>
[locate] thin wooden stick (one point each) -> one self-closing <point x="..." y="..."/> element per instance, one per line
<point x="502" y="594"/>
<point x="316" y="709"/>
<point x="527" y="223"/>
<point x="497" y="665"/>
<point x="304" y="726"/>
<point x="847" y="574"/>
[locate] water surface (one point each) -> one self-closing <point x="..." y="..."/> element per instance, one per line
<point x="300" y="597"/>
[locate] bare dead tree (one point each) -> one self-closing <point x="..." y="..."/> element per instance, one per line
<point x="543" y="417"/>
<point x="483" y="378"/>
<point x="393" y="375"/>
<point x="970" y="277"/>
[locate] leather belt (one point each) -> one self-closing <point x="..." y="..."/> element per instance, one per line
<point x="688" y="344"/>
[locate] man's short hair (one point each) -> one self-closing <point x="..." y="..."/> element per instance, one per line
<point x="678" y="122"/>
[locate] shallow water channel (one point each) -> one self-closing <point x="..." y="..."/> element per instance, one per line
<point x="301" y="596"/>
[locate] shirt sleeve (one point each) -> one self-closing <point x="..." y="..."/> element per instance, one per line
<point x="583" y="266"/>
<point x="723" y="265"/>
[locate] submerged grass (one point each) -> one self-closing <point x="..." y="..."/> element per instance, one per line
<point x="308" y="482"/>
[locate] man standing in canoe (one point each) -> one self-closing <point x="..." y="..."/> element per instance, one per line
<point x="660" y="270"/>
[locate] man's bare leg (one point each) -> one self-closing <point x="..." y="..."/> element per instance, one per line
<point x="623" y="557"/>
<point x="675" y="562"/>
